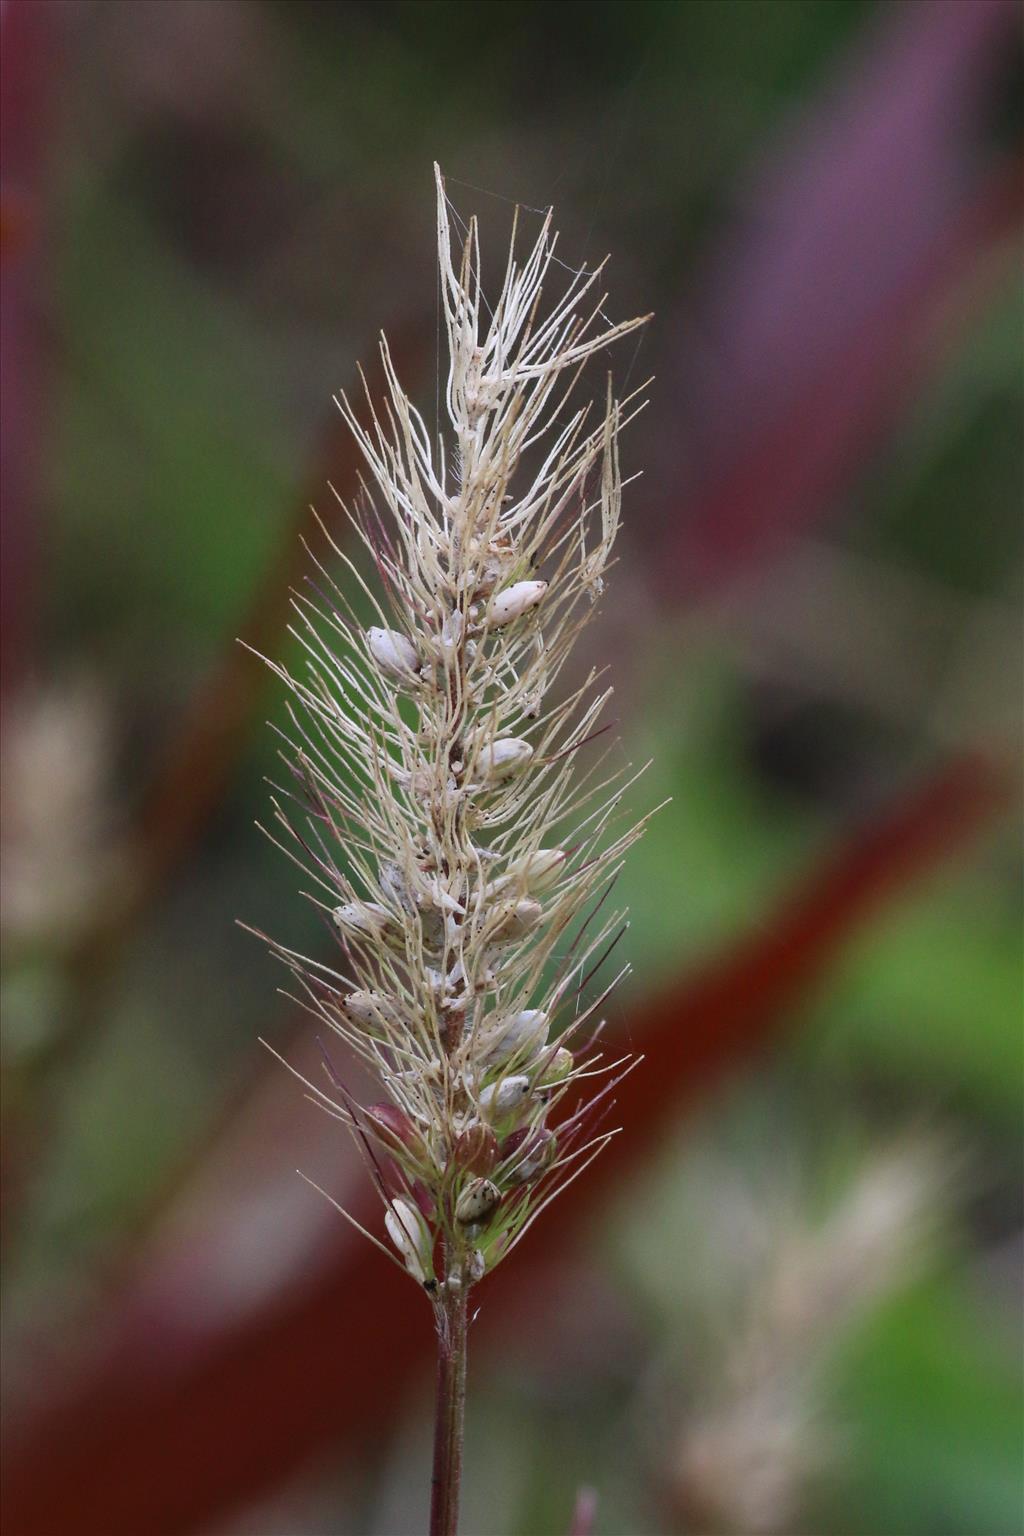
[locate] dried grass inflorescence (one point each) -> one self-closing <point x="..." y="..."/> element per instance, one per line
<point x="460" y="856"/>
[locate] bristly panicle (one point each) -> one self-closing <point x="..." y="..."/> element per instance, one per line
<point x="460" y="857"/>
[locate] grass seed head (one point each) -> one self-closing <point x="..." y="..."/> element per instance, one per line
<point x="449" y="836"/>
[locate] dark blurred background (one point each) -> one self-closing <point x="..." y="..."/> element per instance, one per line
<point x="787" y="1300"/>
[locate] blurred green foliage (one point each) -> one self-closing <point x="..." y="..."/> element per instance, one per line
<point x="198" y="335"/>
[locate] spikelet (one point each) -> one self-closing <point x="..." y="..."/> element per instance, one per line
<point x="452" y="838"/>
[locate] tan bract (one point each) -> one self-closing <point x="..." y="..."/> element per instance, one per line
<point x="459" y="853"/>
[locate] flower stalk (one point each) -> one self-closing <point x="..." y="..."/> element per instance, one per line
<point x="459" y="854"/>
<point x="449" y="1410"/>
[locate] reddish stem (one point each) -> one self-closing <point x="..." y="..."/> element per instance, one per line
<point x="450" y="1410"/>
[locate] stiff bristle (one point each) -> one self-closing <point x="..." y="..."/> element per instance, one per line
<point x="451" y="841"/>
